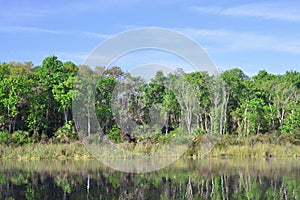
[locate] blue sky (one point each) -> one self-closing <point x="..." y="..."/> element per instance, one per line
<point x="251" y="35"/>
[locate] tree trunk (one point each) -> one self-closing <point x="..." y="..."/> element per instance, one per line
<point x="9" y="121"/>
<point x="89" y="117"/>
<point x="66" y="115"/>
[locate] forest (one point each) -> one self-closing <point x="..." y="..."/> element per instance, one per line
<point x="36" y="102"/>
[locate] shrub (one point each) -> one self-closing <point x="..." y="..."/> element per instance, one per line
<point x="20" y="138"/>
<point x="66" y="133"/>
<point x="3" y="137"/>
<point x="199" y="131"/>
<point x="114" y="134"/>
<point x="145" y="131"/>
<point x="228" y="140"/>
<point x="289" y="138"/>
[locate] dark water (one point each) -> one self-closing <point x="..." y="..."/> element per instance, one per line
<point x="185" y="179"/>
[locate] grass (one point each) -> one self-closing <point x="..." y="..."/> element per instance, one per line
<point x="45" y="151"/>
<point x="270" y="145"/>
<point x="230" y="146"/>
<point x="257" y="150"/>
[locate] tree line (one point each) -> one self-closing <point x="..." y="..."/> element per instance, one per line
<point x="36" y="101"/>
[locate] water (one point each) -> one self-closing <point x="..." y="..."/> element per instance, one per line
<point x="185" y="179"/>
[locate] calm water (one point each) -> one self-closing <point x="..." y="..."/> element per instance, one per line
<point x="185" y="179"/>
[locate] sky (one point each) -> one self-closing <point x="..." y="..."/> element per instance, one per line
<point x="249" y="34"/>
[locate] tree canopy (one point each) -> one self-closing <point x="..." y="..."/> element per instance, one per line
<point x="38" y="100"/>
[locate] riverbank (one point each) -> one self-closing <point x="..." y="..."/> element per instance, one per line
<point x="40" y="151"/>
<point x="224" y="146"/>
<point x="255" y="151"/>
<point x="267" y="145"/>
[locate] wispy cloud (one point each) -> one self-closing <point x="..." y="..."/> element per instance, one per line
<point x="275" y="10"/>
<point x="29" y="29"/>
<point x="93" y="34"/>
<point x="126" y="27"/>
<point x="233" y="41"/>
<point x="16" y="29"/>
<point x="77" y="57"/>
<point x="24" y="11"/>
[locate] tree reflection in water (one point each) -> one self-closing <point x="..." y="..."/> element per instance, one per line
<point x="185" y="179"/>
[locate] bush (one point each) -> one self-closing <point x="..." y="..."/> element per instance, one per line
<point x="20" y="138"/>
<point x="199" y="131"/>
<point x="229" y="140"/>
<point x="166" y="138"/>
<point x="66" y="133"/>
<point x="289" y="138"/>
<point x="145" y="131"/>
<point x="255" y="139"/>
<point x="3" y="137"/>
<point x="114" y="134"/>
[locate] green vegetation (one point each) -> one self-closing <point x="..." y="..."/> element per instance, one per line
<point x="261" y="145"/>
<point x="243" y="113"/>
<point x="42" y="151"/>
<point x="77" y="151"/>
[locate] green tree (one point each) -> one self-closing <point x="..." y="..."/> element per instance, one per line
<point x="63" y="91"/>
<point x="44" y="113"/>
<point x="233" y="79"/>
<point x="13" y="93"/>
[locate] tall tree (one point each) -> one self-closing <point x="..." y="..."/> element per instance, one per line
<point x="13" y="92"/>
<point x="63" y="91"/>
<point x="234" y="91"/>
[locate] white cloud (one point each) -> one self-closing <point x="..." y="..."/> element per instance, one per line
<point x="14" y="12"/>
<point x="126" y="27"/>
<point x="223" y="40"/>
<point x="275" y="10"/>
<point x="27" y="29"/>
<point x="24" y="29"/>
<point x="232" y="41"/>
<point x="93" y="34"/>
<point x="18" y="12"/>
<point x="77" y="57"/>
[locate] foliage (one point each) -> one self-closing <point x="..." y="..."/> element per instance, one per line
<point x="20" y="138"/>
<point x="36" y="102"/>
<point x="3" y="137"/>
<point x="115" y="134"/>
<point x="66" y="133"/>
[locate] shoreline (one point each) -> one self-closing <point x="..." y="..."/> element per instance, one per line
<point x="77" y="151"/>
